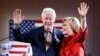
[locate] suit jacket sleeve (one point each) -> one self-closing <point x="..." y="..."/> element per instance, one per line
<point x="83" y="35"/>
<point x="27" y="37"/>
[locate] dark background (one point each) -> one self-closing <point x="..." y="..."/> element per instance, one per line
<point x="32" y="10"/>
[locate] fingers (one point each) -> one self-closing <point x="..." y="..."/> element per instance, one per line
<point x="13" y="14"/>
<point x="83" y="5"/>
<point x="17" y="12"/>
<point x="79" y="9"/>
<point x="87" y="8"/>
<point x="20" y="12"/>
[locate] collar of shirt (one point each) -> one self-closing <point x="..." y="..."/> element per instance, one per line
<point x="51" y="31"/>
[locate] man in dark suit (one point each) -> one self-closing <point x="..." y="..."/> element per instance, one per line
<point x="45" y="40"/>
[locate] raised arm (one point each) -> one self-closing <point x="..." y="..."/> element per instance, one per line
<point x="82" y="10"/>
<point x="17" y="19"/>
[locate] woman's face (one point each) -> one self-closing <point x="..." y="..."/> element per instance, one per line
<point x="67" y="30"/>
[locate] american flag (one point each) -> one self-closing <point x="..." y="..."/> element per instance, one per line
<point x="20" y="48"/>
<point x="25" y="27"/>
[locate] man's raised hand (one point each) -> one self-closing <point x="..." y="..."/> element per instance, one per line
<point x="17" y="16"/>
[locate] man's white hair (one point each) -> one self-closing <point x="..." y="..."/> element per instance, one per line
<point x="48" y="11"/>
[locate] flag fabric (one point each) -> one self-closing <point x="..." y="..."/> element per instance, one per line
<point x="20" y="49"/>
<point x="25" y="27"/>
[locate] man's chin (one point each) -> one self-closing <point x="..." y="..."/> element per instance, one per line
<point x="48" y="27"/>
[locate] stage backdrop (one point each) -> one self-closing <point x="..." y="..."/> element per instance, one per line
<point x="32" y="10"/>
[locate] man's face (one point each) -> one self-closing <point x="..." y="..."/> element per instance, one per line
<point x="48" y="21"/>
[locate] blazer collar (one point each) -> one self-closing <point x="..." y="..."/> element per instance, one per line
<point x="42" y="29"/>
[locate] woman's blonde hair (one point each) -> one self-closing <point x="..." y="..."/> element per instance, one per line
<point x="74" y="23"/>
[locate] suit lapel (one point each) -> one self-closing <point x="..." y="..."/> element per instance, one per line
<point x="55" y="37"/>
<point x="41" y="36"/>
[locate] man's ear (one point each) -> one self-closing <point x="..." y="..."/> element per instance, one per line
<point x="54" y="20"/>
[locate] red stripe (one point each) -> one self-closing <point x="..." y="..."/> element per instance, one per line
<point x="58" y="21"/>
<point x="17" y="52"/>
<point x="40" y="21"/>
<point x="20" y="46"/>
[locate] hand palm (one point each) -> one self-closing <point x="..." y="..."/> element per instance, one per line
<point x="17" y="17"/>
<point x="83" y="9"/>
<point x="83" y="12"/>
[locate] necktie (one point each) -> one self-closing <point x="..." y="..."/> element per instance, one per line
<point x="48" y="40"/>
